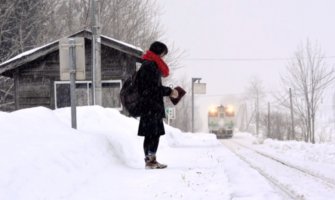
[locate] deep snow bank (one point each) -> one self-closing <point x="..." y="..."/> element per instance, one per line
<point x="42" y="156"/>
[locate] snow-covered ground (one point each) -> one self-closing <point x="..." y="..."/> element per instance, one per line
<point x="319" y="158"/>
<point x="304" y="171"/>
<point x="41" y="157"/>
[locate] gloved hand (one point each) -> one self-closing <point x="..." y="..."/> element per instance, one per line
<point x="174" y="93"/>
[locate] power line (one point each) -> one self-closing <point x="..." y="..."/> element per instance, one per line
<point x="247" y="59"/>
<point x="235" y="94"/>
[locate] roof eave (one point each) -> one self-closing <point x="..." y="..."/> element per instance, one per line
<point x="53" y="46"/>
<point x="28" y="58"/>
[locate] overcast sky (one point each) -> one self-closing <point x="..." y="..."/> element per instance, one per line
<point x="244" y="29"/>
<point x="240" y="29"/>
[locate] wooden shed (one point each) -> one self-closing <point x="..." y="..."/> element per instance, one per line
<point x="36" y="74"/>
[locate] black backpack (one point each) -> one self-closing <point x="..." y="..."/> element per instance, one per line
<point x="130" y="97"/>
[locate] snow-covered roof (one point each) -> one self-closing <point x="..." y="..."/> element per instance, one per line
<point x="123" y="43"/>
<point x="26" y="53"/>
<point x="47" y="48"/>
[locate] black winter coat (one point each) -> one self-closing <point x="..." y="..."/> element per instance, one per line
<point x="149" y="80"/>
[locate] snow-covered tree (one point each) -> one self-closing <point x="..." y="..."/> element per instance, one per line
<point x="254" y="95"/>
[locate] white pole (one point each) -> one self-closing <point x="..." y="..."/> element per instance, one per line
<point x="193" y="80"/>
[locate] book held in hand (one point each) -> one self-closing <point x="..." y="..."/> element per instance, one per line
<point x="181" y="93"/>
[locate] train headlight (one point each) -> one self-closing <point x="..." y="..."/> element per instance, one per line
<point x="229" y="110"/>
<point x="213" y="111"/>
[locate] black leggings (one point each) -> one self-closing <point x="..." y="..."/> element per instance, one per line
<point x="150" y="144"/>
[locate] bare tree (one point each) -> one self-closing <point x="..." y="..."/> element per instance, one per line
<point x="242" y="116"/>
<point x="6" y="9"/>
<point x="21" y="22"/>
<point x="280" y="124"/>
<point x="6" y="94"/>
<point x="25" y="24"/>
<point x="309" y="76"/>
<point x="133" y="21"/>
<point x="254" y="95"/>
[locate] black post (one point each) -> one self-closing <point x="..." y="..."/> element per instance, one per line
<point x="291" y="134"/>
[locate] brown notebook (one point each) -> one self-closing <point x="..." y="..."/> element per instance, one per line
<point x="181" y="93"/>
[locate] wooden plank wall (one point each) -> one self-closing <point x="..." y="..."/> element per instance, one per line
<point x="35" y="80"/>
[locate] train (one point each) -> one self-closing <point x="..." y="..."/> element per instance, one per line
<point x="221" y="121"/>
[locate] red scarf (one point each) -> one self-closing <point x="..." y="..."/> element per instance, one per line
<point x="162" y="66"/>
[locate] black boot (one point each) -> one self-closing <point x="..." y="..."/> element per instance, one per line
<point x="151" y="163"/>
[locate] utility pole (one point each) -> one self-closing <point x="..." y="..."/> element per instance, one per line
<point x="291" y="134"/>
<point x="246" y="117"/>
<point x="269" y="121"/>
<point x="96" y="57"/>
<point x="72" y="68"/>
<point x="257" y="113"/>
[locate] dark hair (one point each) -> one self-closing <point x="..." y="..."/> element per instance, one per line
<point x="158" y="48"/>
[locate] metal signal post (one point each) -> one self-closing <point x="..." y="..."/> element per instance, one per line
<point x="72" y="65"/>
<point x="193" y="80"/>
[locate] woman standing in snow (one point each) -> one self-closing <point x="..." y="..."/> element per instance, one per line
<point x="152" y="91"/>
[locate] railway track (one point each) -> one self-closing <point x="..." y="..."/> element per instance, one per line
<point x="292" y="181"/>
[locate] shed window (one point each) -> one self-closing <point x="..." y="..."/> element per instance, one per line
<point x="110" y="93"/>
